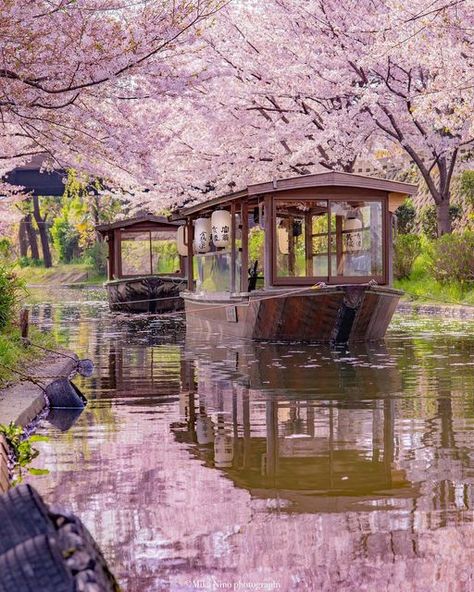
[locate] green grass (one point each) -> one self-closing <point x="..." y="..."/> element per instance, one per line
<point x="423" y="287"/>
<point x="61" y="274"/>
<point x="14" y="355"/>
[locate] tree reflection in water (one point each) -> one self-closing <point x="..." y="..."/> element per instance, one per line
<point x="311" y="468"/>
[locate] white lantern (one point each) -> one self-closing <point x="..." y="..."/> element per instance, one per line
<point x="354" y="237"/>
<point x="202" y="235"/>
<point x="223" y="451"/>
<point x="221" y="225"/>
<point x="282" y="238"/>
<point x="181" y="238"/>
<point x="204" y="430"/>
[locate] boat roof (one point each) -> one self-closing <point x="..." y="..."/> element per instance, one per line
<point x="144" y="218"/>
<point x="326" y="179"/>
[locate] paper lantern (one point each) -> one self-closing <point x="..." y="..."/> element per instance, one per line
<point x="223" y="451"/>
<point x="181" y="240"/>
<point x="202" y="235"/>
<point x="354" y="237"/>
<point x="204" y="430"/>
<point x="221" y="225"/>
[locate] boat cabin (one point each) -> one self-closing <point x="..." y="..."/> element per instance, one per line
<point x="329" y="227"/>
<point x="145" y="270"/>
<point x="142" y="246"/>
<point x="324" y="230"/>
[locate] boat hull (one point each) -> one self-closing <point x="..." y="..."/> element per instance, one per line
<point x="332" y="314"/>
<point x="146" y="294"/>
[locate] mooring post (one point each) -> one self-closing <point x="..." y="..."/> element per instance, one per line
<point x="24" y="324"/>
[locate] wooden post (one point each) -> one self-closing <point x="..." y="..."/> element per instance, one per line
<point x="24" y="324"/>
<point x="291" y="247"/>
<point x="189" y="239"/>
<point x="233" y="255"/>
<point x="244" y="218"/>
<point x="117" y="254"/>
<point x="389" y="249"/>
<point x="340" y="269"/>
<point x="151" y="251"/>
<point x="308" y="244"/>
<point x="268" y="248"/>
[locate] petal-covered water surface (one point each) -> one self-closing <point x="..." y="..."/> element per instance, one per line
<point x="201" y="464"/>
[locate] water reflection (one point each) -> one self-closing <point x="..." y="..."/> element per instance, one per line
<point x="297" y="467"/>
<point x="299" y="451"/>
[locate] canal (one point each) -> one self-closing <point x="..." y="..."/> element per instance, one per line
<point x="243" y="466"/>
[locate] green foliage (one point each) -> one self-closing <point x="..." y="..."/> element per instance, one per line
<point x="96" y="256"/>
<point x="256" y="246"/>
<point x="6" y="249"/>
<point x="12" y="290"/>
<point x="406" y="217"/>
<point x="29" y="262"/>
<point x="451" y="257"/>
<point x="429" y="218"/>
<point x="13" y="353"/>
<point x="65" y="238"/>
<point x="467" y="186"/>
<point x="406" y="249"/>
<point x="22" y="449"/>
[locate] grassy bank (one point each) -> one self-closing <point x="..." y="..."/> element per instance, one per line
<point x="15" y="356"/>
<point x="63" y="274"/>
<point x="420" y="285"/>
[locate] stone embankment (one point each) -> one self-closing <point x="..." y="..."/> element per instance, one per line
<point x="24" y="400"/>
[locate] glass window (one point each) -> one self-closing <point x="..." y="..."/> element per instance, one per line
<point x="149" y="253"/>
<point x="302" y="238"/>
<point x="357" y="241"/>
<point x="164" y="250"/>
<point x="328" y="238"/>
<point x="214" y="272"/>
<point x="135" y="253"/>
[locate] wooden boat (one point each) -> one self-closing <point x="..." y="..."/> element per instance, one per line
<point x="145" y="271"/>
<point x="301" y="259"/>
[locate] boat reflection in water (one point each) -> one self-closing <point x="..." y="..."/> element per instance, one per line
<point x="310" y="453"/>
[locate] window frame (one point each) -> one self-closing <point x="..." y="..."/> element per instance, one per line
<point x="142" y="230"/>
<point x="329" y="280"/>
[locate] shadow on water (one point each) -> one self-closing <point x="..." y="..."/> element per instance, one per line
<point x="199" y="464"/>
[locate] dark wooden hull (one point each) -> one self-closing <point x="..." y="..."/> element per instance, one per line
<point x="151" y="294"/>
<point x="332" y="314"/>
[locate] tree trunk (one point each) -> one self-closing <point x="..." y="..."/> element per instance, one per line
<point x="23" y="238"/>
<point x="444" y="218"/>
<point x="30" y="231"/>
<point x="43" y="232"/>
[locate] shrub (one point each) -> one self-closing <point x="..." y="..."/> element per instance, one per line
<point x="406" y="249"/>
<point x="451" y="257"/>
<point x="406" y="215"/>
<point x="6" y="249"/>
<point x="65" y="239"/>
<point x="29" y="262"/>
<point x="12" y="289"/>
<point x="97" y="257"/>
<point x="429" y="219"/>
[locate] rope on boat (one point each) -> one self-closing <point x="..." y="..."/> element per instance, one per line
<point x="227" y="304"/>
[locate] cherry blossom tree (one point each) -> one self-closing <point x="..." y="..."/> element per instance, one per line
<point x="82" y="80"/>
<point x="293" y="87"/>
